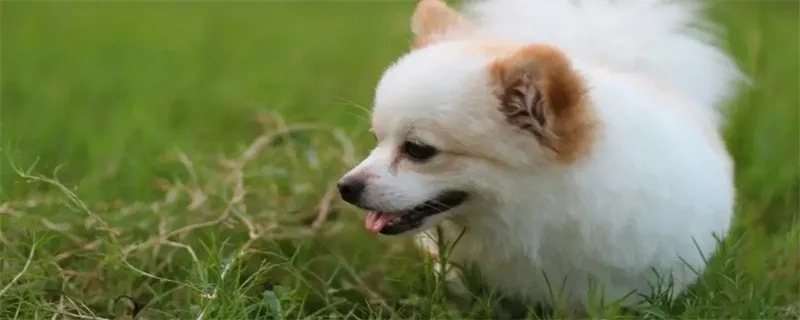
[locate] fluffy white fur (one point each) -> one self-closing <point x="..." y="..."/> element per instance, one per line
<point x="669" y="41"/>
<point x="653" y="192"/>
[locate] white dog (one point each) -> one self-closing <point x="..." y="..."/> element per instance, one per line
<point x="576" y="143"/>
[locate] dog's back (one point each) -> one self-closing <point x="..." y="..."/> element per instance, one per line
<point x="668" y="41"/>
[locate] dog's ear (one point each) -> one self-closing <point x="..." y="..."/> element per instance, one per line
<point x="541" y="94"/>
<point x="433" y="20"/>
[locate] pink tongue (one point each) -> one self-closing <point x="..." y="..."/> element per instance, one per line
<point x="375" y="221"/>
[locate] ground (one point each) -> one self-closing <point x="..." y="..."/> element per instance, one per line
<point x="175" y="160"/>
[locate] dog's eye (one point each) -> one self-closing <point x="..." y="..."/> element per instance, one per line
<point x="418" y="151"/>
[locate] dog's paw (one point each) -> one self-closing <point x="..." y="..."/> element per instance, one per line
<point x="442" y="270"/>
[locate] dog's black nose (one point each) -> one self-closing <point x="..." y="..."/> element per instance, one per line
<point x="351" y="189"/>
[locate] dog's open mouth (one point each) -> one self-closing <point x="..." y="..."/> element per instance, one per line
<point x="391" y="223"/>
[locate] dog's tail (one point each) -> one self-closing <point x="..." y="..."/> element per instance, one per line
<point x="669" y="40"/>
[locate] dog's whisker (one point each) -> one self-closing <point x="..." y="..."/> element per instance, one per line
<point x="352" y="103"/>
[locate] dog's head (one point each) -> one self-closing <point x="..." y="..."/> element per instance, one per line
<point x="457" y="117"/>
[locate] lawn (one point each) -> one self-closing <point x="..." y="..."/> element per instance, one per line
<point x="174" y="160"/>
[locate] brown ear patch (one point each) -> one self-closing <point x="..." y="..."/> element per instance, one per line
<point x="542" y="95"/>
<point x="433" y="20"/>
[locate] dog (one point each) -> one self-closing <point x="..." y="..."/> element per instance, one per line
<point x="571" y="146"/>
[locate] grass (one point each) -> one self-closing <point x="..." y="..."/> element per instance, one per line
<point x="174" y="160"/>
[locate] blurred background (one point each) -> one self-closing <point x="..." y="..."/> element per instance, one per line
<point x="148" y="146"/>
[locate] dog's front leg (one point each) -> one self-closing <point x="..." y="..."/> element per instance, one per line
<point x="453" y="277"/>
